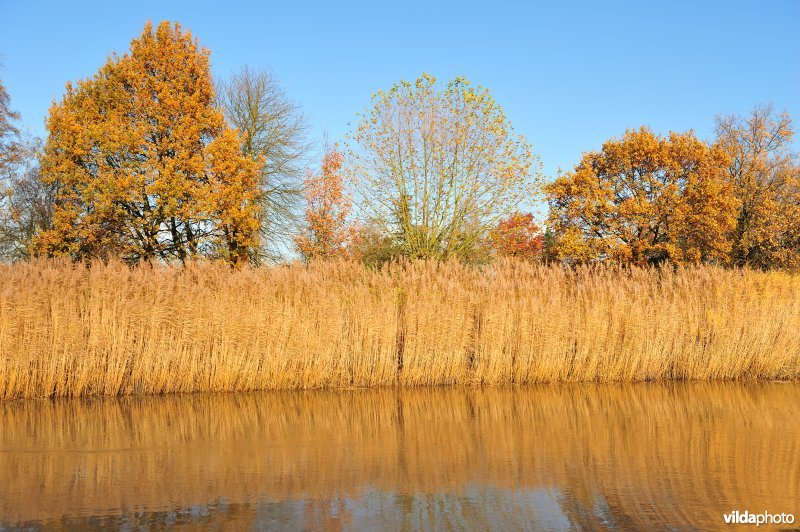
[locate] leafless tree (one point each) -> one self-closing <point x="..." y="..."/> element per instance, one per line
<point x="9" y="132"/>
<point x="272" y="126"/>
<point x="27" y="207"/>
<point x="9" y="140"/>
<point x="25" y="202"/>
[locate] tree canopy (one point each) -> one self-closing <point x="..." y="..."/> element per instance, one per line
<point x="645" y="199"/>
<point x="326" y="232"/>
<point x="273" y="131"/>
<point x="151" y="159"/>
<point x="145" y="165"/>
<point x="437" y="167"/>
<point x="765" y="175"/>
<point x="518" y="236"/>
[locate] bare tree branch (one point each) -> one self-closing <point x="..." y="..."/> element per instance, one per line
<point x="271" y="126"/>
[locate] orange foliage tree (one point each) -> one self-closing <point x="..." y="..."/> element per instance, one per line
<point x="765" y="173"/>
<point x="645" y="199"/>
<point x="145" y="166"/>
<point x="517" y="236"/>
<point x="326" y="233"/>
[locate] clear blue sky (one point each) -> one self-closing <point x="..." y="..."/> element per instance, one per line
<point x="569" y="75"/>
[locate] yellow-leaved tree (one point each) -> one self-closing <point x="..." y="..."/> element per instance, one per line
<point x="437" y="167"/>
<point x="765" y="173"/>
<point x="145" y="167"/>
<point x="645" y="199"/>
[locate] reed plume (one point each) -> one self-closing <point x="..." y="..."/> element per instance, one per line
<point x="69" y="330"/>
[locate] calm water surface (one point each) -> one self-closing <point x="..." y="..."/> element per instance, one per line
<point x="549" y="457"/>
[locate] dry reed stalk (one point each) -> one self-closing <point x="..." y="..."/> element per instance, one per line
<point x="66" y="330"/>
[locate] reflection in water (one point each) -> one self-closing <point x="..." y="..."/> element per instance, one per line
<point x="628" y="456"/>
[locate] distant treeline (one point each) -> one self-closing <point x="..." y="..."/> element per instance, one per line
<point x="153" y="160"/>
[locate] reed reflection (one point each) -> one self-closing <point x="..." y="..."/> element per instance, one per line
<point x="627" y="455"/>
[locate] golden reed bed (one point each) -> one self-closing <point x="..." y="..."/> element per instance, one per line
<point x="70" y="331"/>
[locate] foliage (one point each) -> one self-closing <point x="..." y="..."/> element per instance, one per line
<point x="326" y="234"/>
<point x="146" y="167"/>
<point x="645" y="199"/>
<point x="371" y="246"/>
<point x="436" y="168"/>
<point x="144" y="161"/>
<point x="518" y="236"/>
<point x="9" y="134"/>
<point x="273" y="129"/>
<point x="766" y="177"/>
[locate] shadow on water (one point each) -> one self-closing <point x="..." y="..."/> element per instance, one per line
<point x="587" y="456"/>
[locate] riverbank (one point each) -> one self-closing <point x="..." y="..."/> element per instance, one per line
<point x="66" y="330"/>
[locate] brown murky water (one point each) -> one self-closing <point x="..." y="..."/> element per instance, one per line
<point x="633" y="456"/>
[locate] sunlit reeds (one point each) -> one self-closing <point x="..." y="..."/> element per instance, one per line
<point x="66" y="330"/>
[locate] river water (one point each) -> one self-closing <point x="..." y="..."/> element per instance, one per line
<point x="633" y="456"/>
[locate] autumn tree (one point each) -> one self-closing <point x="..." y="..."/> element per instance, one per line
<point x="147" y="168"/>
<point x="645" y="199"/>
<point x="437" y="167"/>
<point x="9" y="135"/>
<point x="27" y="208"/>
<point x="328" y="206"/>
<point x="368" y="244"/>
<point x="517" y="236"/>
<point x="25" y="202"/>
<point x="273" y="130"/>
<point x="765" y="173"/>
<point x="10" y="155"/>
